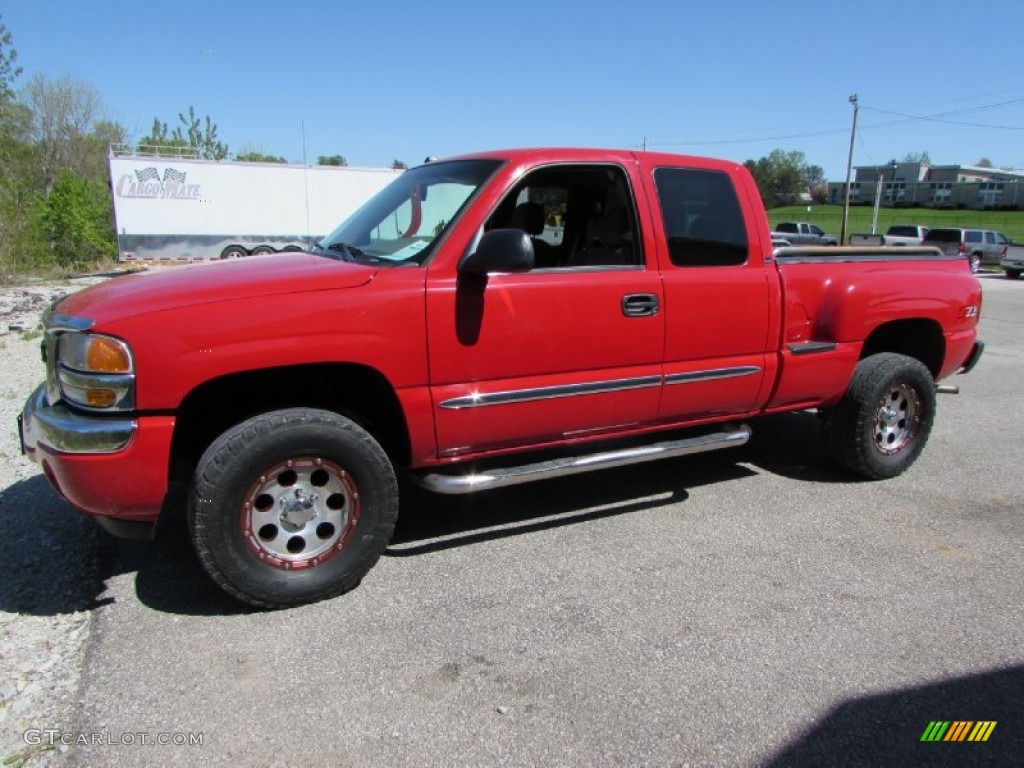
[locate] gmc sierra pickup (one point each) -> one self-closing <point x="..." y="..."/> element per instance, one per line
<point x="445" y="331"/>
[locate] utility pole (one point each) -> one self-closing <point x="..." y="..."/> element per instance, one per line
<point x="849" y="169"/>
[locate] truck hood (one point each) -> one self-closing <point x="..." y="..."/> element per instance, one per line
<point x="208" y="283"/>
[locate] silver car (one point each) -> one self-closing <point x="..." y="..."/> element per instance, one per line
<point x="979" y="246"/>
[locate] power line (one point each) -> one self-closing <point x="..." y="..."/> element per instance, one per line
<point x="904" y="118"/>
<point x="939" y="117"/>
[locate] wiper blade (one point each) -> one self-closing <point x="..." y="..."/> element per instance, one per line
<point x="345" y="249"/>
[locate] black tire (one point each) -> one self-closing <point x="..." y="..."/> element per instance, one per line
<point x="975" y="259"/>
<point x="1013" y="274"/>
<point x="882" y="423"/>
<point x="260" y="250"/>
<point x="234" y="252"/>
<point x="292" y="507"/>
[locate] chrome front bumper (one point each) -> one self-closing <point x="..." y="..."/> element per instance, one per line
<point x="64" y="431"/>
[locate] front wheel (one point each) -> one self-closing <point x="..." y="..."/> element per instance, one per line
<point x="882" y="423"/>
<point x="292" y="507"/>
<point x="1013" y="274"/>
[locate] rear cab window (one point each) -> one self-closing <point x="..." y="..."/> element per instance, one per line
<point x="704" y="225"/>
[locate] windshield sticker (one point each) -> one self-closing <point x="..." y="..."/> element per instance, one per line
<point x="405" y="253"/>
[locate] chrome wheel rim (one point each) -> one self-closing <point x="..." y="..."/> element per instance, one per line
<point x="896" y="419"/>
<point x="300" y="513"/>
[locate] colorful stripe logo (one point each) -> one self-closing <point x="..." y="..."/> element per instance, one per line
<point x="958" y="730"/>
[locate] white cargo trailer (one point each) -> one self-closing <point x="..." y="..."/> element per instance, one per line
<point x="187" y="209"/>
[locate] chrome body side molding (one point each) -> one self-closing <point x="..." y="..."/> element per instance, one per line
<point x="549" y="393"/>
<point x="716" y="373"/>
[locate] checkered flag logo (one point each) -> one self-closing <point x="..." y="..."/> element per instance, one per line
<point x="172" y="175"/>
<point x="148" y="173"/>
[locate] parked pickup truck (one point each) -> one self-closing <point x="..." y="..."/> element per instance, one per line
<point x="437" y="333"/>
<point x="896" y="235"/>
<point x="1013" y="261"/>
<point x="802" y="233"/>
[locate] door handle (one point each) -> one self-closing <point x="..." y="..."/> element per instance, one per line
<point x="639" y="305"/>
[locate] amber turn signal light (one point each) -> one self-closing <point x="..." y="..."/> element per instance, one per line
<point x="107" y="356"/>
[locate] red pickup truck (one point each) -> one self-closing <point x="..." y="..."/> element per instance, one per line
<point x="484" y="320"/>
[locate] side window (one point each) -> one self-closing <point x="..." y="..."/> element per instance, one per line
<point x="816" y="230"/>
<point x="704" y="226"/>
<point x="576" y="216"/>
<point x="989" y="238"/>
<point x="786" y="227"/>
<point x="973" y="236"/>
<point x="1001" y="239"/>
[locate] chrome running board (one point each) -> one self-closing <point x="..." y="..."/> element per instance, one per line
<point x="572" y="465"/>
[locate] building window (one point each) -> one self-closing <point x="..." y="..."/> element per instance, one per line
<point x="895" y="191"/>
<point x="941" y="192"/>
<point x="990" y="193"/>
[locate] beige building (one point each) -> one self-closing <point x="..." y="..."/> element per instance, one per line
<point x="933" y="186"/>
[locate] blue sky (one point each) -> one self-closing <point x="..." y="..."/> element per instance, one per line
<point x="376" y="81"/>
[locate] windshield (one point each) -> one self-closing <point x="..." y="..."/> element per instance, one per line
<point x="401" y="223"/>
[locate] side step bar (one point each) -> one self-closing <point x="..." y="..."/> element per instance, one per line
<point x="572" y="465"/>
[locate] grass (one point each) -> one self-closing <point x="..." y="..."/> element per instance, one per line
<point x="830" y="217"/>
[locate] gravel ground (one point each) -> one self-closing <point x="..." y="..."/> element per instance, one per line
<point x="44" y="622"/>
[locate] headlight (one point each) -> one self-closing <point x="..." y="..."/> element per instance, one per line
<point x="96" y="371"/>
<point x="93" y="353"/>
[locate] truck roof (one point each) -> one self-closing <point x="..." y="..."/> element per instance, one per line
<point x="595" y="154"/>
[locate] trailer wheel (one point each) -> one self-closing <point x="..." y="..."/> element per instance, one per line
<point x="260" y="250"/>
<point x="291" y="507"/>
<point x="234" y="252"/>
<point x="882" y="423"/>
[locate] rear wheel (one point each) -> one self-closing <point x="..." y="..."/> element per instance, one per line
<point x="291" y="507"/>
<point x="975" y="259"/>
<point x="260" y="250"/>
<point x="882" y="423"/>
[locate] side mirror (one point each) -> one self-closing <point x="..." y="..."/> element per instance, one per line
<point x="500" y="250"/>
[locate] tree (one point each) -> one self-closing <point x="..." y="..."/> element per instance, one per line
<point x="252" y="154"/>
<point x="160" y="141"/>
<point x="782" y="176"/>
<point x="331" y="160"/>
<point x="918" y="157"/>
<point x="398" y="165"/>
<point x="202" y="137"/>
<point x="76" y="220"/>
<point x="984" y="163"/>
<point x="9" y="71"/>
<point x="198" y="135"/>
<point x="63" y="113"/>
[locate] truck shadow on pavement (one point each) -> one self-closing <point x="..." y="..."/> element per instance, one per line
<point x="58" y="561"/>
<point x="791" y="445"/>
<point x="886" y="728"/>
<point x="431" y="522"/>
<point x="50" y="553"/>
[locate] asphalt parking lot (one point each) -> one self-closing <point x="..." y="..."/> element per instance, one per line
<point x="752" y="607"/>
